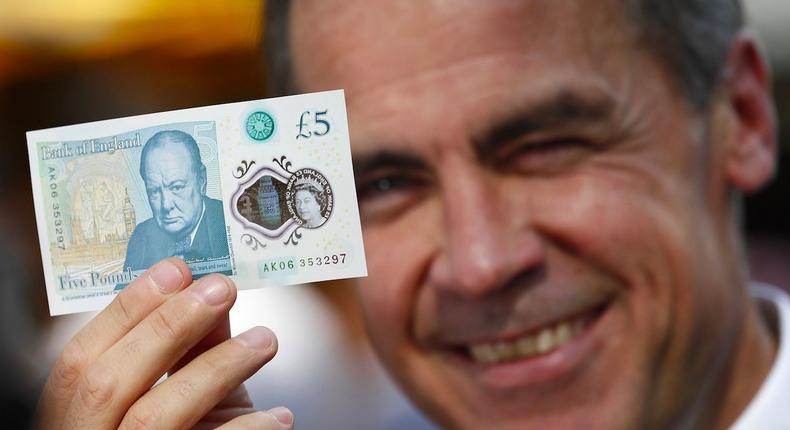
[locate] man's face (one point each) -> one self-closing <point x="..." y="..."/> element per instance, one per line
<point x="174" y="189"/>
<point x="547" y="226"/>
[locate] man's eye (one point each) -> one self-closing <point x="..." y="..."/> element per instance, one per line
<point x="382" y="185"/>
<point x="177" y="187"/>
<point x="387" y="195"/>
<point x="375" y="188"/>
<point x="546" y="157"/>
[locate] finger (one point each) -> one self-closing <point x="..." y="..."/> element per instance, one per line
<point x="273" y="419"/>
<point x="131" y="305"/>
<point x="129" y="368"/>
<point x="219" y="334"/>
<point x="189" y="394"/>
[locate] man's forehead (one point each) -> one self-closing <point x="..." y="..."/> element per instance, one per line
<point x="169" y="156"/>
<point x="168" y="152"/>
<point x="331" y="41"/>
<point x="423" y="77"/>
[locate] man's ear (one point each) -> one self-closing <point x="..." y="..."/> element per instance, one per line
<point x="751" y="155"/>
<point x="203" y="179"/>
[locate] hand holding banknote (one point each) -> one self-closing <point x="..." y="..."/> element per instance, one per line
<point x="261" y="191"/>
<point x="162" y="322"/>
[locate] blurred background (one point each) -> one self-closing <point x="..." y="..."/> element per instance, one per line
<point x="66" y="62"/>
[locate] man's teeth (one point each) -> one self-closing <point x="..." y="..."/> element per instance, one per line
<point x="542" y="342"/>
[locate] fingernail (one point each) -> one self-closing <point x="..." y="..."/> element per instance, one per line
<point x="283" y="415"/>
<point x="260" y="338"/>
<point x="166" y="276"/>
<point x="212" y="290"/>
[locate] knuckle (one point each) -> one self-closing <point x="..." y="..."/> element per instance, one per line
<point x="185" y="388"/>
<point x="214" y="368"/>
<point x="142" y="418"/>
<point x="167" y="325"/>
<point x="134" y="346"/>
<point x="71" y="364"/>
<point x="122" y="312"/>
<point x="97" y="389"/>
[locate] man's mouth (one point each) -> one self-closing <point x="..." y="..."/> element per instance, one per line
<point x="540" y="341"/>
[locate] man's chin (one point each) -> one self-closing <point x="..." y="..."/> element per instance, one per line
<point x="175" y="229"/>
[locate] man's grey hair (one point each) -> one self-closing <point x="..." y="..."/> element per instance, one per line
<point x="691" y="38"/>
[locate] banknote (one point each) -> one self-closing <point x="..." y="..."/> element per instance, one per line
<point x="262" y="191"/>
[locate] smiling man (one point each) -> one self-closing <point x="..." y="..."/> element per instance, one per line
<point x="550" y="193"/>
<point x="550" y="199"/>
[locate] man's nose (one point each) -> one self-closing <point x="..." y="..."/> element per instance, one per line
<point x="488" y="240"/>
<point x="167" y="200"/>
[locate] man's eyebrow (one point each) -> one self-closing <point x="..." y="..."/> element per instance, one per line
<point x="565" y="109"/>
<point x="385" y="159"/>
<point x="173" y="182"/>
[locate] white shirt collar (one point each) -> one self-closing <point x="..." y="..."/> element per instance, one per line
<point x="770" y="407"/>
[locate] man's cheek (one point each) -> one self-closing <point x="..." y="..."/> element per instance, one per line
<point x="380" y="289"/>
<point x="612" y="221"/>
<point x="628" y="236"/>
<point x="155" y="206"/>
<point x="394" y="260"/>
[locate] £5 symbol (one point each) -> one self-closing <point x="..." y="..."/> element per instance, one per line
<point x="313" y="124"/>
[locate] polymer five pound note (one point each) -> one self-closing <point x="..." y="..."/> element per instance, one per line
<point x="262" y="191"/>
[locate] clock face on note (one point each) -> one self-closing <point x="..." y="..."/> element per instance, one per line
<point x="260" y="126"/>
